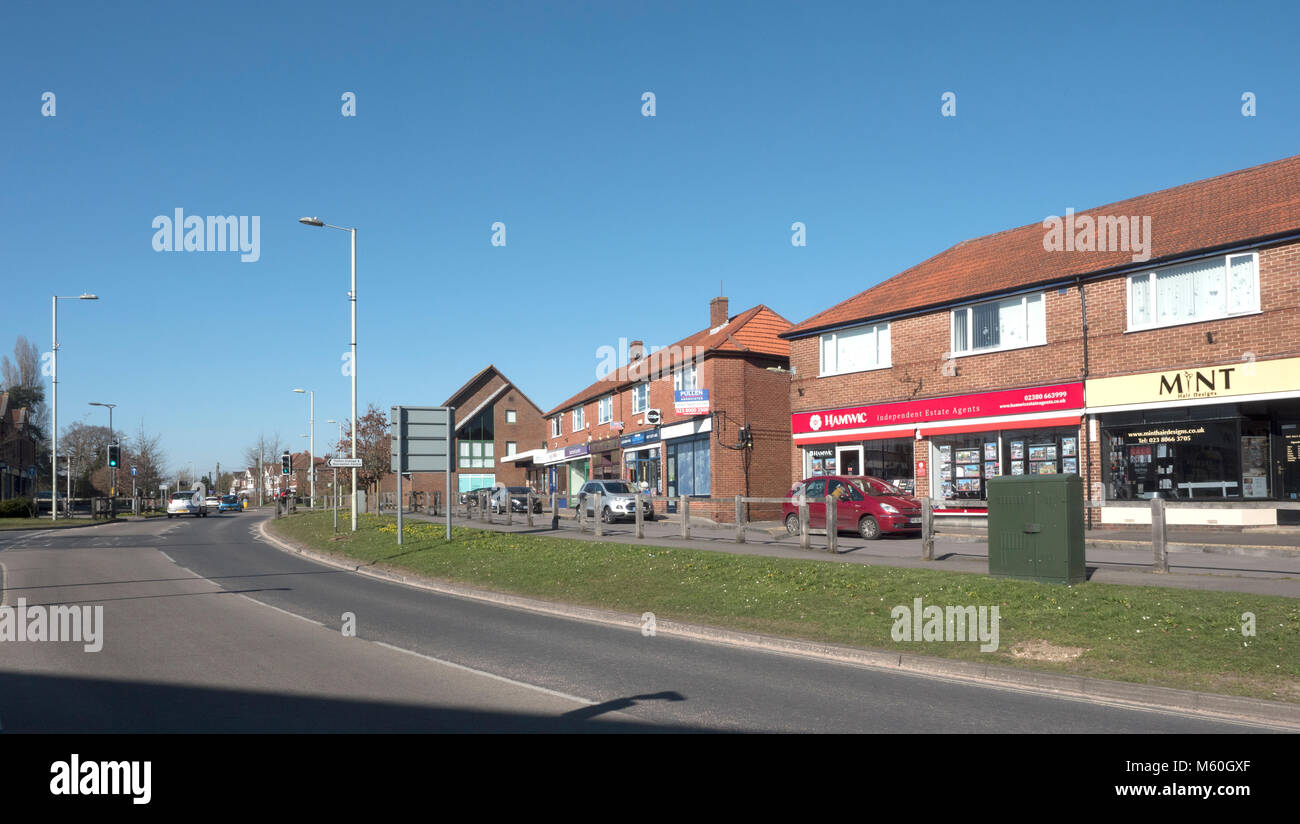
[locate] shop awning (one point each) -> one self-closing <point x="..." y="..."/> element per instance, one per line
<point x="990" y="425"/>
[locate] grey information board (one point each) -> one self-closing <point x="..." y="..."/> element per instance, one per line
<point x="423" y="438"/>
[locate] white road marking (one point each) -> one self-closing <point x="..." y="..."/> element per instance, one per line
<point x="492" y="675"/>
<point x="285" y="611"/>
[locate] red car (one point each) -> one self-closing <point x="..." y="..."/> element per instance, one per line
<point x="868" y="505"/>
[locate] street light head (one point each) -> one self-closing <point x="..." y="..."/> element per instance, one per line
<point x="88" y="296"/>
<point x="300" y="391"/>
<point x="311" y="221"/>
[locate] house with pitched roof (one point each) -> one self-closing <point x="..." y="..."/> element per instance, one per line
<point x="1150" y="346"/>
<point x="17" y="451"/>
<point x="705" y="417"/>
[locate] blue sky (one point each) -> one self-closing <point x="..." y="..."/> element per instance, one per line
<point x="617" y="225"/>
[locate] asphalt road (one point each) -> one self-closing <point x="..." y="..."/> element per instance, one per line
<point x="207" y="628"/>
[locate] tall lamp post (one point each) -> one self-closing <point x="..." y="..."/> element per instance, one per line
<point x="112" y="489"/>
<point x="352" y="298"/>
<point x="54" y="406"/>
<point x="311" y="442"/>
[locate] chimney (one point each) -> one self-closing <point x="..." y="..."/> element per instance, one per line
<point x="636" y="351"/>
<point x="718" y="312"/>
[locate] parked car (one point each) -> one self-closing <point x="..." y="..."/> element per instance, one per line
<point x="518" y="499"/>
<point x="616" y="503"/>
<point x="472" y="496"/>
<point x="187" y="502"/>
<point x="229" y="503"/>
<point x="867" y="505"/>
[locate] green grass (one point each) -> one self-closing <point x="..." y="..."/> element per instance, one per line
<point x="1188" y="639"/>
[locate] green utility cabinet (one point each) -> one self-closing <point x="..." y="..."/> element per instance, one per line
<point x="1036" y="528"/>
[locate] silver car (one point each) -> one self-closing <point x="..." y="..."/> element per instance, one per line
<point x="616" y="502"/>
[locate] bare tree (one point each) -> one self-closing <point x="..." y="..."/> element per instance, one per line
<point x="148" y="458"/>
<point x="264" y="452"/>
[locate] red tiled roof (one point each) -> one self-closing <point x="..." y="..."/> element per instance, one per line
<point x="1246" y="205"/>
<point x="756" y="330"/>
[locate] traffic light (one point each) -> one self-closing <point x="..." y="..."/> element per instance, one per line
<point x="114" y="455"/>
<point x="286" y="463"/>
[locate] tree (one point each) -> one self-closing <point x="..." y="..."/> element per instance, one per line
<point x="265" y="451"/>
<point x="373" y="446"/>
<point x="148" y="458"/>
<point x="21" y="378"/>
<point x="87" y="446"/>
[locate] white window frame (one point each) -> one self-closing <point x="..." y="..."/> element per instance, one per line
<point x="640" y="404"/>
<point x="969" y="309"/>
<point x="512" y="447"/>
<point x="679" y="378"/>
<point x="605" y="409"/>
<point x="1149" y="276"/>
<point x="511" y="417"/>
<point x="884" y="361"/>
<point x="556" y="426"/>
<point x="579" y="418"/>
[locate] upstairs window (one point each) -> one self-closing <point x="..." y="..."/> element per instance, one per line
<point x="999" y="324"/>
<point x="555" y="426"/>
<point x="579" y="418"/>
<point x="605" y="409"/>
<point x="1201" y="290"/>
<point x="640" y="397"/>
<point x="855" y="350"/>
<point x="686" y="378"/>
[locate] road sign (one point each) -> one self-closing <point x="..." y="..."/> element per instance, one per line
<point x="422" y="438"/>
<point x="133" y="472"/>
<point x="31" y="472"/>
<point x="345" y="463"/>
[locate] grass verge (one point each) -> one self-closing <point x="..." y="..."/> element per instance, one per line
<point x="45" y="523"/>
<point x="1188" y="639"/>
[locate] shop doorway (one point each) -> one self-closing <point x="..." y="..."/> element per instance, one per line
<point x="849" y="460"/>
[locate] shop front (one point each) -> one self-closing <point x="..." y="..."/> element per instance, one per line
<point x="641" y="461"/>
<point x="605" y="459"/>
<point x="948" y="448"/>
<point x="688" y="459"/>
<point x="567" y="470"/>
<point x="1225" y="433"/>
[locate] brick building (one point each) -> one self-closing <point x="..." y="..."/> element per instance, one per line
<point x="17" y="451"/>
<point x="704" y="388"/>
<point x="494" y="418"/>
<point x="1149" y="346"/>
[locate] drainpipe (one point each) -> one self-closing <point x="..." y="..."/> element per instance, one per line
<point x="1087" y="428"/>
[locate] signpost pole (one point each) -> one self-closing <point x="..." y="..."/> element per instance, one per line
<point x="399" y="508"/>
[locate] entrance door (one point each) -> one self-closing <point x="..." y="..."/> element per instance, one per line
<point x="848" y="459"/>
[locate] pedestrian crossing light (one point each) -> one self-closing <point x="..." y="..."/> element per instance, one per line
<point x="114" y="455"/>
<point x="286" y="463"/>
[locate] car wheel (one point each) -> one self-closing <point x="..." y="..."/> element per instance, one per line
<point x="868" y="528"/>
<point x="792" y="523"/>
<point x="607" y="516"/>
<point x="650" y="517"/>
<point x="169" y="517"/>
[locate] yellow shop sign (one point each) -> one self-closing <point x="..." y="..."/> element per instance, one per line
<point x="1222" y="381"/>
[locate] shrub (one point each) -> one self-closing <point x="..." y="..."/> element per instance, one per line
<point x="16" y="508"/>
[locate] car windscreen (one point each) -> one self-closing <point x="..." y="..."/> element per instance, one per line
<point x="518" y="490"/>
<point x="618" y="487"/>
<point x="182" y="496"/>
<point x="228" y="499"/>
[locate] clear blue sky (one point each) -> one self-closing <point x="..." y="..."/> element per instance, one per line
<point x="618" y="225"/>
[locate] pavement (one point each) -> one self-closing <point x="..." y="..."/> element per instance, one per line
<point x="1204" y="559"/>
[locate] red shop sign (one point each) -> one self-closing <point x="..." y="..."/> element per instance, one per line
<point x="1053" y="398"/>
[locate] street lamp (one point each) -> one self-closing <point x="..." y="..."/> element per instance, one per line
<point x="112" y="489"/>
<point x="311" y="448"/>
<point x="54" y="406"/>
<point x="352" y="298"/>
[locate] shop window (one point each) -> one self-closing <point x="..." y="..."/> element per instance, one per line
<point x="1180" y="460"/>
<point x="688" y="466"/>
<point x="605" y="410"/>
<point x="997" y="325"/>
<point x="1217" y="287"/>
<point x="855" y="350"/>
